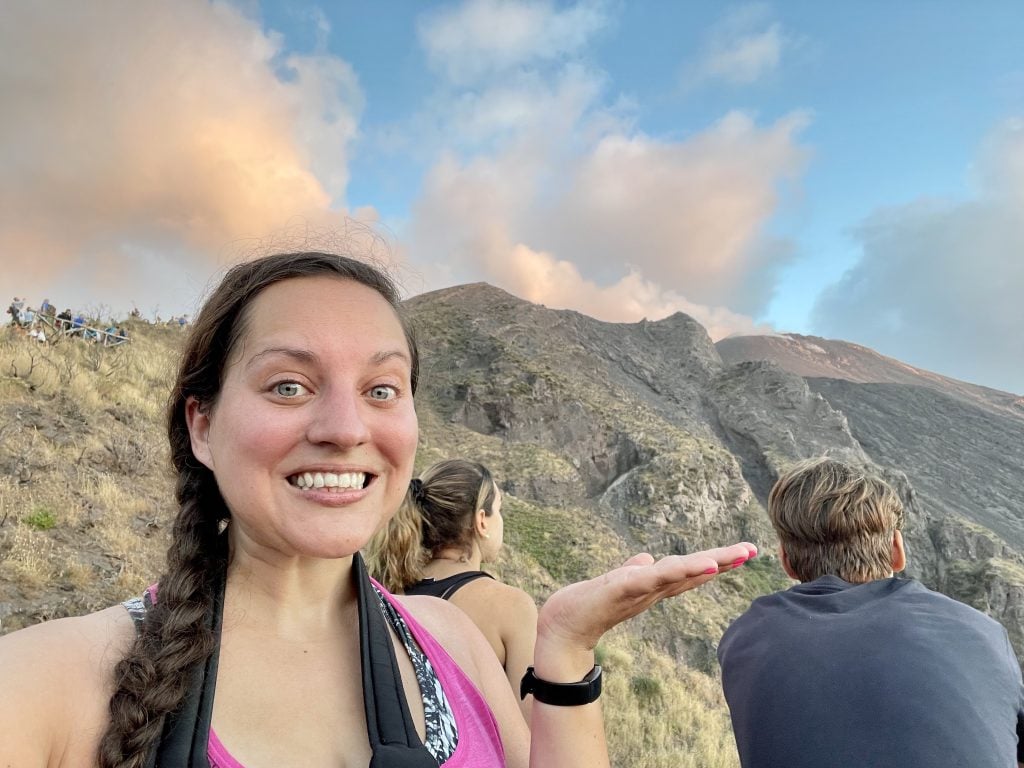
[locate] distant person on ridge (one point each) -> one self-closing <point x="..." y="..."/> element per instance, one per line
<point x="64" y="320"/>
<point x="853" y="666"/>
<point x="449" y="525"/>
<point x="15" y="310"/>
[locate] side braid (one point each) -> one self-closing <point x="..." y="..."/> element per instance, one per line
<point x="152" y="680"/>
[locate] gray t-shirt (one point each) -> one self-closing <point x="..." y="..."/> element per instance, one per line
<point x="877" y="675"/>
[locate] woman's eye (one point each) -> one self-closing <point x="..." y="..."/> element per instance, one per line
<point x="289" y="389"/>
<point x="383" y="392"/>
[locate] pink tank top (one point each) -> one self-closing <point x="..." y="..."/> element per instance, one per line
<point x="479" y="744"/>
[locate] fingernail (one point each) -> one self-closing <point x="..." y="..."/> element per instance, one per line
<point x="753" y="554"/>
<point x="739" y="561"/>
<point x="711" y="570"/>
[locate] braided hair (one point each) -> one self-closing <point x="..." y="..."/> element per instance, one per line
<point x="151" y="680"/>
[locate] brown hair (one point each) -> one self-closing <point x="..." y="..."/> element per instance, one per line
<point x="437" y="513"/>
<point x="151" y="681"/>
<point x="835" y="519"/>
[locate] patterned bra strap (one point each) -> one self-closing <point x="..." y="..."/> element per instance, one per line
<point x="389" y="724"/>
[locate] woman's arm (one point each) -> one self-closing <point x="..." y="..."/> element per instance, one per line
<point x="573" y="620"/>
<point x="56" y="679"/>
<point x="519" y="635"/>
<point x="26" y="721"/>
<point x="569" y="626"/>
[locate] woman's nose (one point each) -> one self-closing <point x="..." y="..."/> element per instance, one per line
<point x="339" y="419"/>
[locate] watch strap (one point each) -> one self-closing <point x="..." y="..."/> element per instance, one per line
<point x="585" y="691"/>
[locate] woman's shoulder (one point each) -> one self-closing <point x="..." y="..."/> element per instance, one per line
<point x="70" y="644"/>
<point x="57" y="679"/>
<point x="438" y="617"/>
<point x="498" y="597"/>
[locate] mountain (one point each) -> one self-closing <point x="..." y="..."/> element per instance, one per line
<point x="815" y="357"/>
<point x="673" y="442"/>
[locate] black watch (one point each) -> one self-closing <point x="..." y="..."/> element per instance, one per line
<point x="562" y="694"/>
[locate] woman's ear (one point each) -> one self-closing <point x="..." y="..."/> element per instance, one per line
<point x="197" y="416"/>
<point x="480" y="524"/>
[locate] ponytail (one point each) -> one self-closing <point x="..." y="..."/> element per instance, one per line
<point x="395" y="555"/>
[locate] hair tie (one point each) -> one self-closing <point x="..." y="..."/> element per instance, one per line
<point x="416" y="488"/>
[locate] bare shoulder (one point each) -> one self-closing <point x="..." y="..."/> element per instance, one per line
<point x="57" y="678"/>
<point x="499" y="601"/>
<point x="456" y="633"/>
<point x="512" y="596"/>
<point x="70" y="646"/>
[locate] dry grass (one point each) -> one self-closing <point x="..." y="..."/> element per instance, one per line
<point x="661" y="714"/>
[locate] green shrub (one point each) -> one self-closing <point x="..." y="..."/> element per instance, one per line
<point x="647" y="690"/>
<point x="42" y="519"/>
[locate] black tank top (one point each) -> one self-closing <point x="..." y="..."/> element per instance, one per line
<point x="445" y="588"/>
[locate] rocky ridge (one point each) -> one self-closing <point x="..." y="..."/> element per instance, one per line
<point x="960" y="446"/>
<point x="673" y="442"/>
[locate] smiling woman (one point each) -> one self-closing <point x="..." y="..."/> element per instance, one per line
<point x="293" y="432"/>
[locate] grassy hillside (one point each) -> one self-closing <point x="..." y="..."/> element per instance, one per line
<point x="86" y="502"/>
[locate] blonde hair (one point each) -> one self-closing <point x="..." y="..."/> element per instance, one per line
<point x="834" y="519"/>
<point x="437" y="513"/>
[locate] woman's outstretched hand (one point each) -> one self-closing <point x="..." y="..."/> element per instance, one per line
<point x="576" y="616"/>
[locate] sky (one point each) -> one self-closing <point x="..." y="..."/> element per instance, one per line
<point x="853" y="170"/>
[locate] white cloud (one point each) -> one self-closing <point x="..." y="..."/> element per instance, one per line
<point x="744" y="47"/>
<point x="148" y="128"/>
<point x="939" y="283"/>
<point x="658" y="225"/>
<point x="486" y="37"/>
<point x="690" y="213"/>
<point x="545" y="192"/>
<point x="543" y="279"/>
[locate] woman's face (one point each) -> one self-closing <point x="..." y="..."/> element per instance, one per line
<point x="313" y="434"/>
<point x="491" y="546"/>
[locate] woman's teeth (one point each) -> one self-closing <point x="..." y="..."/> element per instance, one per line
<point x="330" y="480"/>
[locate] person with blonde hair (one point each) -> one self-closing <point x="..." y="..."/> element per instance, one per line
<point x="854" y="666"/>
<point x="265" y="644"/>
<point x="449" y="525"/>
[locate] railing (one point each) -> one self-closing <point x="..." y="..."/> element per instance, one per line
<point x="64" y="327"/>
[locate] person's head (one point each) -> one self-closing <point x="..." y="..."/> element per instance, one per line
<point x="453" y="506"/>
<point x="299" y="367"/>
<point x="839" y="520"/>
<point x="291" y="417"/>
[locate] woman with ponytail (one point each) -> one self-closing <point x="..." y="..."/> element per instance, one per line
<point x="448" y="526"/>
<point x="265" y="644"/>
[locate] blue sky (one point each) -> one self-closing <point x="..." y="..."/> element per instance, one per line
<point x="848" y="169"/>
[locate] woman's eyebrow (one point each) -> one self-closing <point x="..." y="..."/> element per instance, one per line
<point x="382" y="357"/>
<point x="306" y="356"/>
<point x="300" y="355"/>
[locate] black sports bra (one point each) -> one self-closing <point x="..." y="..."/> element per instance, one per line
<point x="446" y="587"/>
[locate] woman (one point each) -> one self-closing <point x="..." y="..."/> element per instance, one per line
<point x="293" y="432"/>
<point x="450" y="524"/>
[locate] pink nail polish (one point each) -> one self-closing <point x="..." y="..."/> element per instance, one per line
<point x="711" y="570"/>
<point x="739" y="561"/>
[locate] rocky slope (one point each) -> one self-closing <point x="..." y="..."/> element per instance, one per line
<point x="673" y="442"/>
<point x="961" y="447"/>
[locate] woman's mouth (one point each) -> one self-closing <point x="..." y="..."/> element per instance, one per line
<point x="330" y="481"/>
